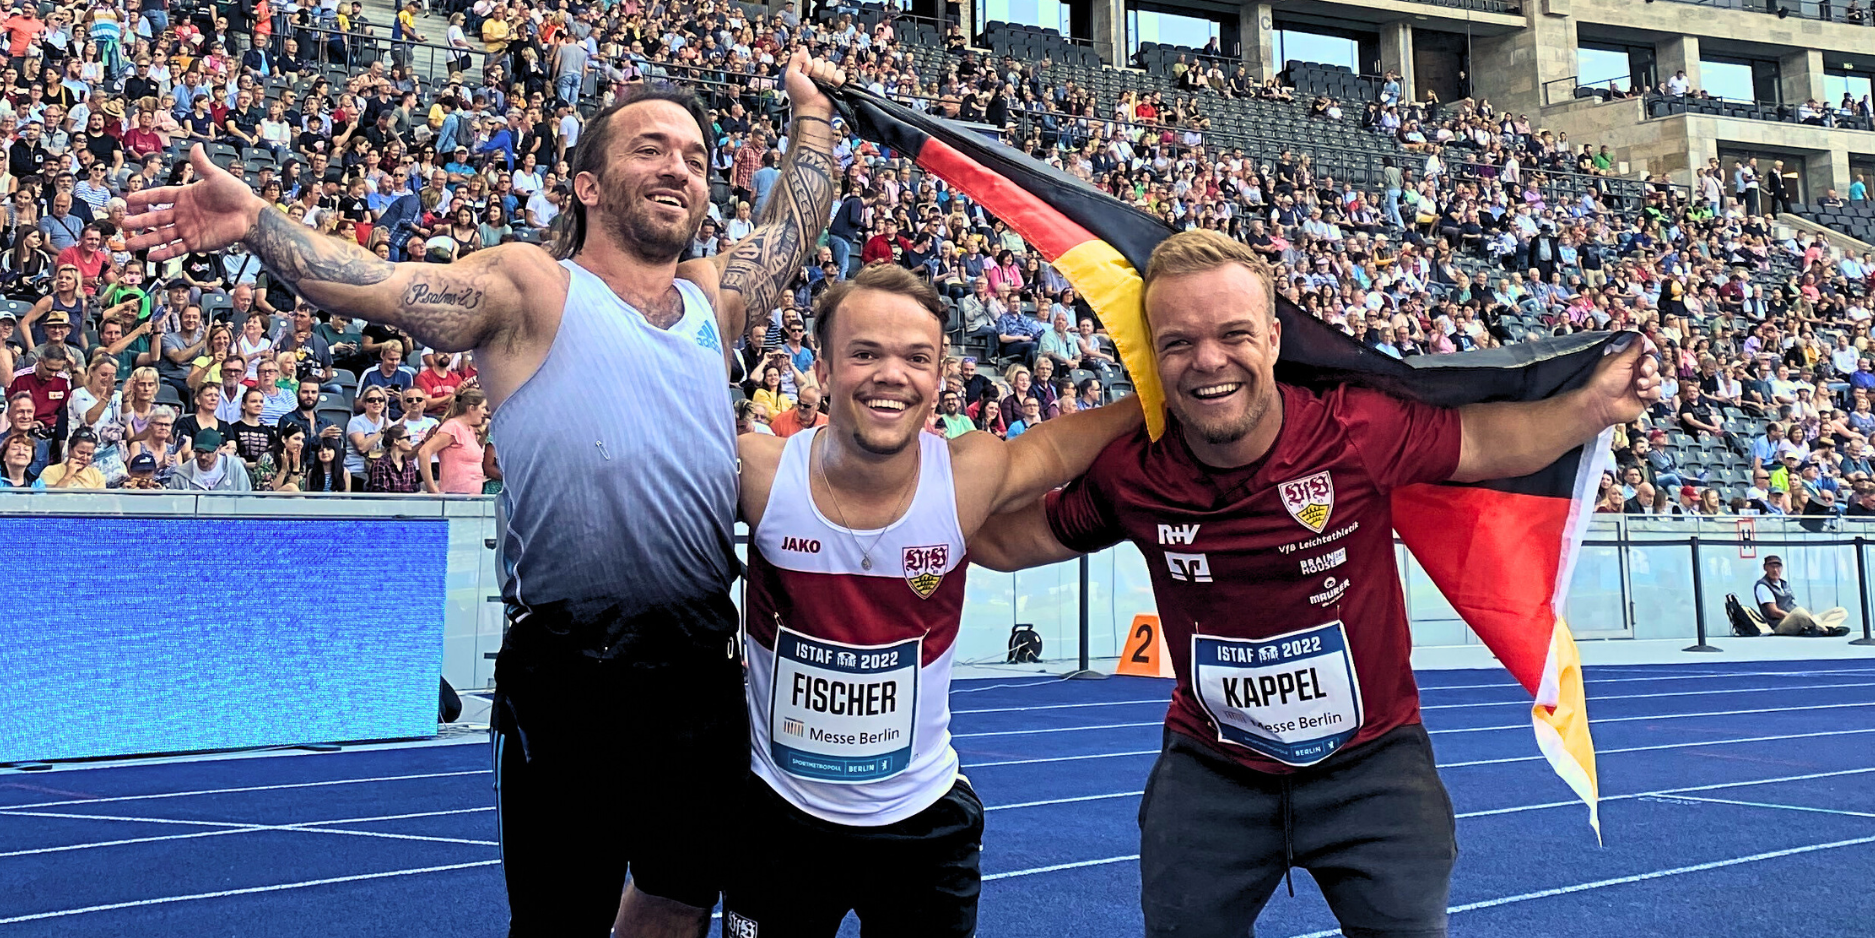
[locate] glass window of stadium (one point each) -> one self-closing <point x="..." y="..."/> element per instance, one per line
<point x="1793" y="163"/>
<point x="1355" y="51"/>
<point x="1740" y="79"/>
<point x="1836" y="83"/>
<point x="1048" y="14"/>
<point x="1599" y="63"/>
<point x="1144" y="24"/>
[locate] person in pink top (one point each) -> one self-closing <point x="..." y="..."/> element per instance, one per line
<point x="457" y="444"/>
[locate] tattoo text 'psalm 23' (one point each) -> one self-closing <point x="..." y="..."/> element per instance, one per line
<point x="461" y="296"/>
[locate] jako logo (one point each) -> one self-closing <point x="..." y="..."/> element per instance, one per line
<point x="800" y="544"/>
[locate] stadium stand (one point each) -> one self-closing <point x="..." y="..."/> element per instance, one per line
<point x="1416" y="225"/>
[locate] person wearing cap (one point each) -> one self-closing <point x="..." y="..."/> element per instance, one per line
<point x="141" y="474"/>
<point x="212" y="469"/>
<point x="1777" y="603"/>
<point x="56" y="326"/>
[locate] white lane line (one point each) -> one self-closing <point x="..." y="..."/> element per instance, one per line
<point x="1697" y="744"/>
<point x="1058" y="729"/>
<point x="1458" y="729"/>
<point x="1067" y="706"/>
<point x="1592" y="684"/>
<point x="224" y="893"/>
<point x="230" y="791"/>
<point x="1038" y="804"/>
<point x="1598" y="698"/>
<point x="1663" y="716"/>
<point x="1060" y="866"/>
<point x="1098" y="755"/>
<point x="1713" y="786"/>
<point x="1694" y="745"/>
<point x="1557" y="804"/>
<point x="129" y="840"/>
<point x="1635" y="878"/>
<point x="234" y="827"/>
<point x="1780" y="807"/>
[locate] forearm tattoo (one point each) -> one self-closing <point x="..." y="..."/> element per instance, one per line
<point x="442" y="307"/>
<point x="297" y="254"/>
<point x="762" y="266"/>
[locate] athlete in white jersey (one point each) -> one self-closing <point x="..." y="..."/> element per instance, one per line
<point x="859" y="533"/>
<point x="620" y="459"/>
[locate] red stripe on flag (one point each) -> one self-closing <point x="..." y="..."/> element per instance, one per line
<point x="1496" y="557"/>
<point x="1036" y="221"/>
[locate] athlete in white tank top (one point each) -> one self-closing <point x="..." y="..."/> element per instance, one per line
<point x="858" y="536"/>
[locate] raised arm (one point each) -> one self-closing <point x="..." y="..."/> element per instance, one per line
<point x="450" y="307"/>
<point x="751" y="277"/>
<point x="1507" y="440"/>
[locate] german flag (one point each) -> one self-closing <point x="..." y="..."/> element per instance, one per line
<point x="1502" y="552"/>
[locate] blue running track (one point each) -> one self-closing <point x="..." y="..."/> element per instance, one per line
<point x="1736" y="805"/>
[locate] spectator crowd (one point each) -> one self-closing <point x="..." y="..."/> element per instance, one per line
<point x="1471" y="228"/>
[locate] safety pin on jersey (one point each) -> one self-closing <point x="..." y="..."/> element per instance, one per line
<point x="602" y="449"/>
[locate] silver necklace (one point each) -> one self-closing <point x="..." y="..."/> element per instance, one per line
<point x="865" y="551"/>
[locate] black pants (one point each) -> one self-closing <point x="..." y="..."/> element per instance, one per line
<point x="796" y="876"/>
<point x="1372" y="824"/>
<point x="604" y="767"/>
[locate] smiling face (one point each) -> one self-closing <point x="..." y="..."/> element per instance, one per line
<point x="881" y="369"/>
<point x="652" y="191"/>
<point x="1217" y="341"/>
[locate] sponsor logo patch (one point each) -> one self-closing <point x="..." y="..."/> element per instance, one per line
<point x="1177" y="534"/>
<point x="1188" y="568"/>
<point x="737" y="925"/>
<point x="1310" y="499"/>
<point x="924" y="568"/>
<point x="1324" y="563"/>
<point x="1331" y="592"/>
<point x="800" y="545"/>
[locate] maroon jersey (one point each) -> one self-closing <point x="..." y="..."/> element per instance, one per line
<point x="1276" y="582"/>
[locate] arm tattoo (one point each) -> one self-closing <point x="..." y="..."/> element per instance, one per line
<point x="441" y="307"/>
<point x="762" y="266"/>
<point x="297" y="254"/>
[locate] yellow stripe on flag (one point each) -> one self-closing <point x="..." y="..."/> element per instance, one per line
<point x="1562" y="730"/>
<point x="1113" y="288"/>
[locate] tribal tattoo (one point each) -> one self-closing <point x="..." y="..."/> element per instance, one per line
<point x="762" y="266"/>
<point x="441" y="306"/>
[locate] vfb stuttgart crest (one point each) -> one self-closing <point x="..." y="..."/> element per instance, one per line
<point x="924" y="568"/>
<point x="1310" y="500"/>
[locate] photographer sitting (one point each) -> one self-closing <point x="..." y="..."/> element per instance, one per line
<point x="1779" y="606"/>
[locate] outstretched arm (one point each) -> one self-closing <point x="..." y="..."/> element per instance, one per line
<point x="1507" y="440"/>
<point x="753" y="275"/>
<point x="450" y="307"/>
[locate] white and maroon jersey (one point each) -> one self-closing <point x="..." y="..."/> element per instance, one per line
<point x="850" y="636"/>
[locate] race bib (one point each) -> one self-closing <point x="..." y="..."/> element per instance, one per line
<point x="1293" y="698"/>
<point x="843" y="713"/>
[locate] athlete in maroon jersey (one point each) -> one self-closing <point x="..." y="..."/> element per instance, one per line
<point x="858" y="532"/>
<point x="1293" y="736"/>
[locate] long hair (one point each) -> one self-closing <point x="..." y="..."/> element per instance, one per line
<point x="589" y="156"/>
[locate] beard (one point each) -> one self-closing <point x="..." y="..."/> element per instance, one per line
<point x="640" y="231"/>
<point x="1225" y="430"/>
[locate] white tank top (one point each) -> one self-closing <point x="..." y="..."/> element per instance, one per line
<point x="620" y="460"/>
<point x="850" y="665"/>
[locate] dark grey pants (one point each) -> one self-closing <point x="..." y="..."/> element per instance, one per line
<point x="1372" y="824"/>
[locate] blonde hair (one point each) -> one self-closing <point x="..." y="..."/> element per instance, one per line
<point x="1202" y="249"/>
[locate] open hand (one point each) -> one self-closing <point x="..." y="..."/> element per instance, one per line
<point x="208" y="214"/>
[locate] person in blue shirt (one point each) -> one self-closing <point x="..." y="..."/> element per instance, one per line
<point x="1031" y="416"/>
<point x="1858" y="190"/>
<point x="1019" y="335"/>
<point x="460" y="165"/>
